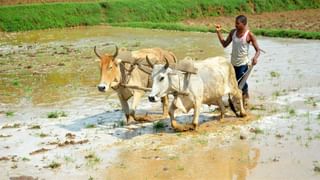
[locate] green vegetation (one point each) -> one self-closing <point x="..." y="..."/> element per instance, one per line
<point x="25" y="159"/>
<point x="54" y="165"/>
<point x="311" y="101"/>
<point x="9" y="113"/>
<point x="53" y="115"/>
<point x="316" y="165"/>
<point x="91" y="126"/>
<point x="42" y="135"/>
<point x="159" y="125"/>
<point x="56" y="114"/>
<point x="44" y="16"/>
<point x="155" y="14"/>
<point x="287" y="33"/>
<point x="164" y="25"/>
<point x="274" y="74"/>
<point x="177" y="10"/>
<point x="92" y="159"/>
<point x="170" y="11"/>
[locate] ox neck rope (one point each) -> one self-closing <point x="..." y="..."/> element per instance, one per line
<point x="176" y="90"/>
<point x="122" y="77"/>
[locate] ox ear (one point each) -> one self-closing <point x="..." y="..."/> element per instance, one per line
<point x="116" y="53"/>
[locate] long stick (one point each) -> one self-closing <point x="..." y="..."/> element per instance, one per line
<point x="136" y="87"/>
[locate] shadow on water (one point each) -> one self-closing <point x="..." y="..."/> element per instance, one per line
<point x="113" y="123"/>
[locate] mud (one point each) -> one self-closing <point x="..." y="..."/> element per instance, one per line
<point x="304" y="20"/>
<point x="58" y="74"/>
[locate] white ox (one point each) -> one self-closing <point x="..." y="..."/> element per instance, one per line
<point x="125" y="68"/>
<point x="214" y="79"/>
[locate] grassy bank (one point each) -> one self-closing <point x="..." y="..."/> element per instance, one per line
<point x="182" y="27"/>
<point x="157" y="14"/>
<point x="177" y="10"/>
<point x="44" y="16"/>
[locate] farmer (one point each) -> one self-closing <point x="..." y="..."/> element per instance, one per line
<point x="241" y="37"/>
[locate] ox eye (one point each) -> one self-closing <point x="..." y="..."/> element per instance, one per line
<point x="161" y="78"/>
<point x="110" y="68"/>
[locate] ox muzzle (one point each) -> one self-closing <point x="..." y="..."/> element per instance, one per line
<point x="103" y="87"/>
<point x="153" y="98"/>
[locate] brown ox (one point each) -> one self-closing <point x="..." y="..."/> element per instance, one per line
<point x="125" y="67"/>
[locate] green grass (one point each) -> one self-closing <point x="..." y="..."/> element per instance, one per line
<point x="177" y="10"/>
<point x="92" y="159"/>
<point x="9" y="113"/>
<point x="181" y="27"/>
<point x="159" y="125"/>
<point x="311" y="101"/>
<point x="90" y="126"/>
<point x="56" y="114"/>
<point x="170" y="10"/>
<point x="287" y="33"/>
<point x="44" y="16"/>
<point x="53" y="115"/>
<point x="274" y="74"/>
<point x="54" y="165"/>
<point x="153" y="14"/>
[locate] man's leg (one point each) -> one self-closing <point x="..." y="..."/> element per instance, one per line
<point x="240" y="71"/>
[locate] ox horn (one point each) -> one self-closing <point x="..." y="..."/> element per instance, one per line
<point x="95" y="51"/>
<point x="149" y="62"/>
<point x="116" y="53"/>
<point x="167" y="63"/>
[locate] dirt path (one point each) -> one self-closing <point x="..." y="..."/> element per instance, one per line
<point x="305" y="20"/>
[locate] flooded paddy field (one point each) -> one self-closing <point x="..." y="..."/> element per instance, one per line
<point x="54" y="123"/>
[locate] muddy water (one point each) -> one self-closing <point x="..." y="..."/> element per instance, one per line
<point x="55" y="70"/>
<point x="53" y="65"/>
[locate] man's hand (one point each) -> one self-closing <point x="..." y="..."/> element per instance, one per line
<point x="218" y="27"/>
<point x="254" y="61"/>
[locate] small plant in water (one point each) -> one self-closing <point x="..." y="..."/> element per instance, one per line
<point x="9" y="113"/>
<point x="121" y="123"/>
<point x="274" y="74"/>
<point x="57" y="114"/>
<point x="158" y="125"/>
<point x="92" y="159"/>
<point x="42" y="135"/>
<point x="16" y="82"/>
<point x="316" y="165"/>
<point x="35" y="127"/>
<point x="311" y="101"/>
<point x="63" y="114"/>
<point x="291" y="111"/>
<point x="25" y="159"/>
<point x="53" y="115"/>
<point x="54" y="165"/>
<point x="91" y="126"/>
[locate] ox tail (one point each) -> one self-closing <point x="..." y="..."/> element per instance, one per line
<point x="232" y="106"/>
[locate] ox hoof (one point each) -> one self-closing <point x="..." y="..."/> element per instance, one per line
<point x="131" y="120"/>
<point x="182" y="128"/>
<point x="242" y="114"/>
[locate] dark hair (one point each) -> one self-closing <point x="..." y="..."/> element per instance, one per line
<point x="242" y="19"/>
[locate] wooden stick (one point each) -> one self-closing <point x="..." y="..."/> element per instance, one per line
<point x="136" y="87"/>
